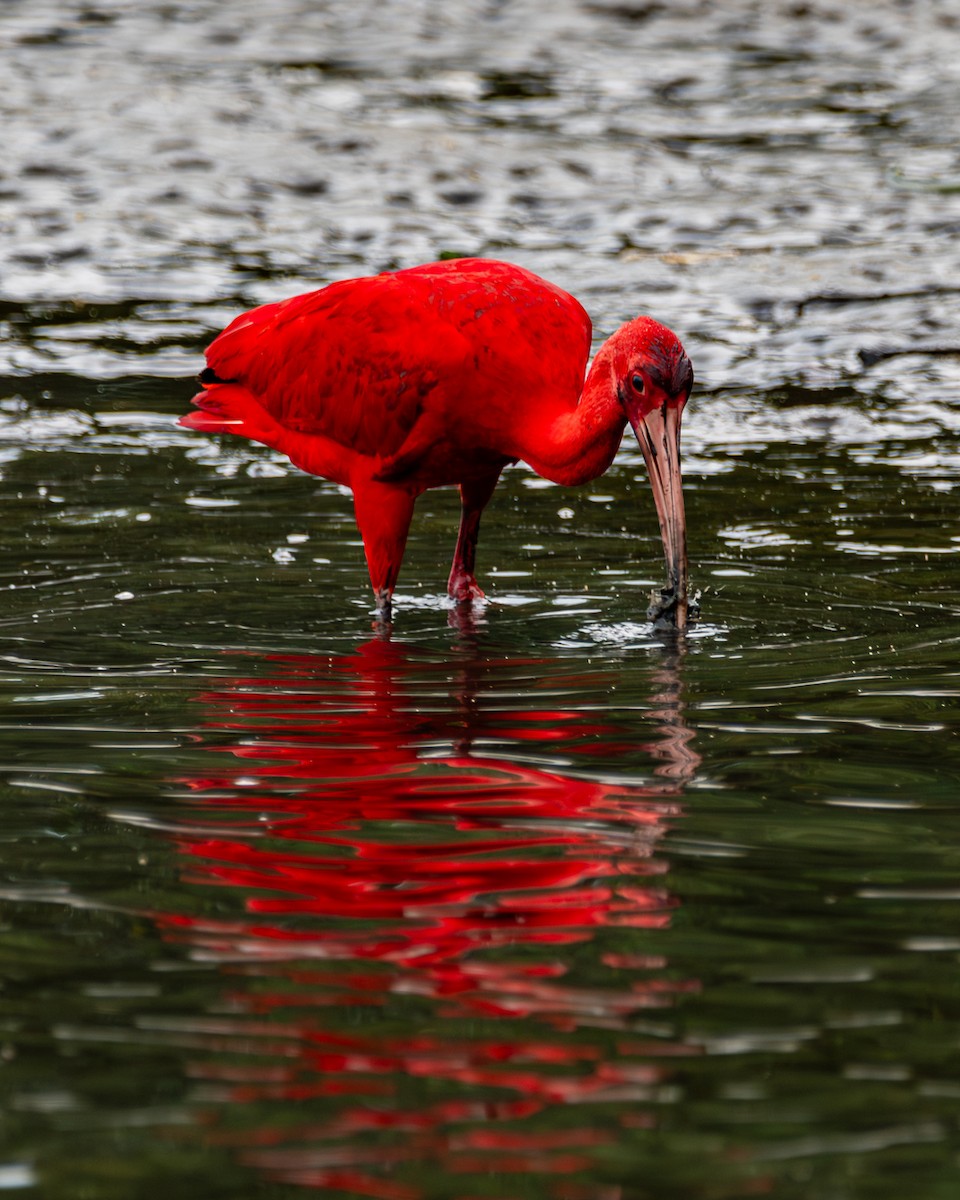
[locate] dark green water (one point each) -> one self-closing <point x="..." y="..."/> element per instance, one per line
<point x="528" y="902"/>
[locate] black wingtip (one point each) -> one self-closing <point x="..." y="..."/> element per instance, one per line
<point x="208" y="375"/>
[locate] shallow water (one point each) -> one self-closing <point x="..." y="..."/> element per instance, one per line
<point x="528" y="902"/>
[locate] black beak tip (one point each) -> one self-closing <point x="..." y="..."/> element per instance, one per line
<point x="662" y="610"/>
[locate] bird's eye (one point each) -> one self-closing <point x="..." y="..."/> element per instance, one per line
<point x="637" y="382"/>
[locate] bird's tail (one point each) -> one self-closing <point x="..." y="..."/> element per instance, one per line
<point x="232" y="408"/>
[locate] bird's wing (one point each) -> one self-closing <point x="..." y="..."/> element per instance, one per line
<point x="362" y="361"/>
<point x="525" y="334"/>
<point x="334" y="362"/>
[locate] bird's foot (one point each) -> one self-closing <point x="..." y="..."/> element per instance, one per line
<point x="464" y="588"/>
<point x="384" y="610"/>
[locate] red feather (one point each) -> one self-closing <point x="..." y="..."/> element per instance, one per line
<point x="362" y="361"/>
<point x="438" y="374"/>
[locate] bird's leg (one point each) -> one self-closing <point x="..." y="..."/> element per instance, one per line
<point x="383" y="513"/>
<point x="474" y="495"/>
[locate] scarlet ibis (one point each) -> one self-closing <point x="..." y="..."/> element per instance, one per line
<point x="444" y="374"/>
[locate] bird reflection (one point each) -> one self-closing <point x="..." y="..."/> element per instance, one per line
<point x="447" y="910"/>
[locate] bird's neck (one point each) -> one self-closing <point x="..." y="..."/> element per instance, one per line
<point x="571" y="444"/>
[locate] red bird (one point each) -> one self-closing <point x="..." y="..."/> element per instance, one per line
<point x="444" y="374"/>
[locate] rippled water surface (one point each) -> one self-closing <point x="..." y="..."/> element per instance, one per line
<point x="529" y="901"/>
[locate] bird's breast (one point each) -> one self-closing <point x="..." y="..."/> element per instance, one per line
<point x="444" y="465"/>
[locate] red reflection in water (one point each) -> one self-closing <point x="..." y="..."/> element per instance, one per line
<point x="405" y="850"/>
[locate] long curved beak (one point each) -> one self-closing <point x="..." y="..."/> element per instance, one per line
<point x="658" y="433"/>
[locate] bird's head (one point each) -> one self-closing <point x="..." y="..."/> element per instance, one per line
<point x="653" y="378"/>
<point x="651" y="368"/>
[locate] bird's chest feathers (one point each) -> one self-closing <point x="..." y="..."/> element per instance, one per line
<point x="433" y="454"/>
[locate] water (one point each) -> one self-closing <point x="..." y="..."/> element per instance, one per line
<point x="528" y="903"/>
